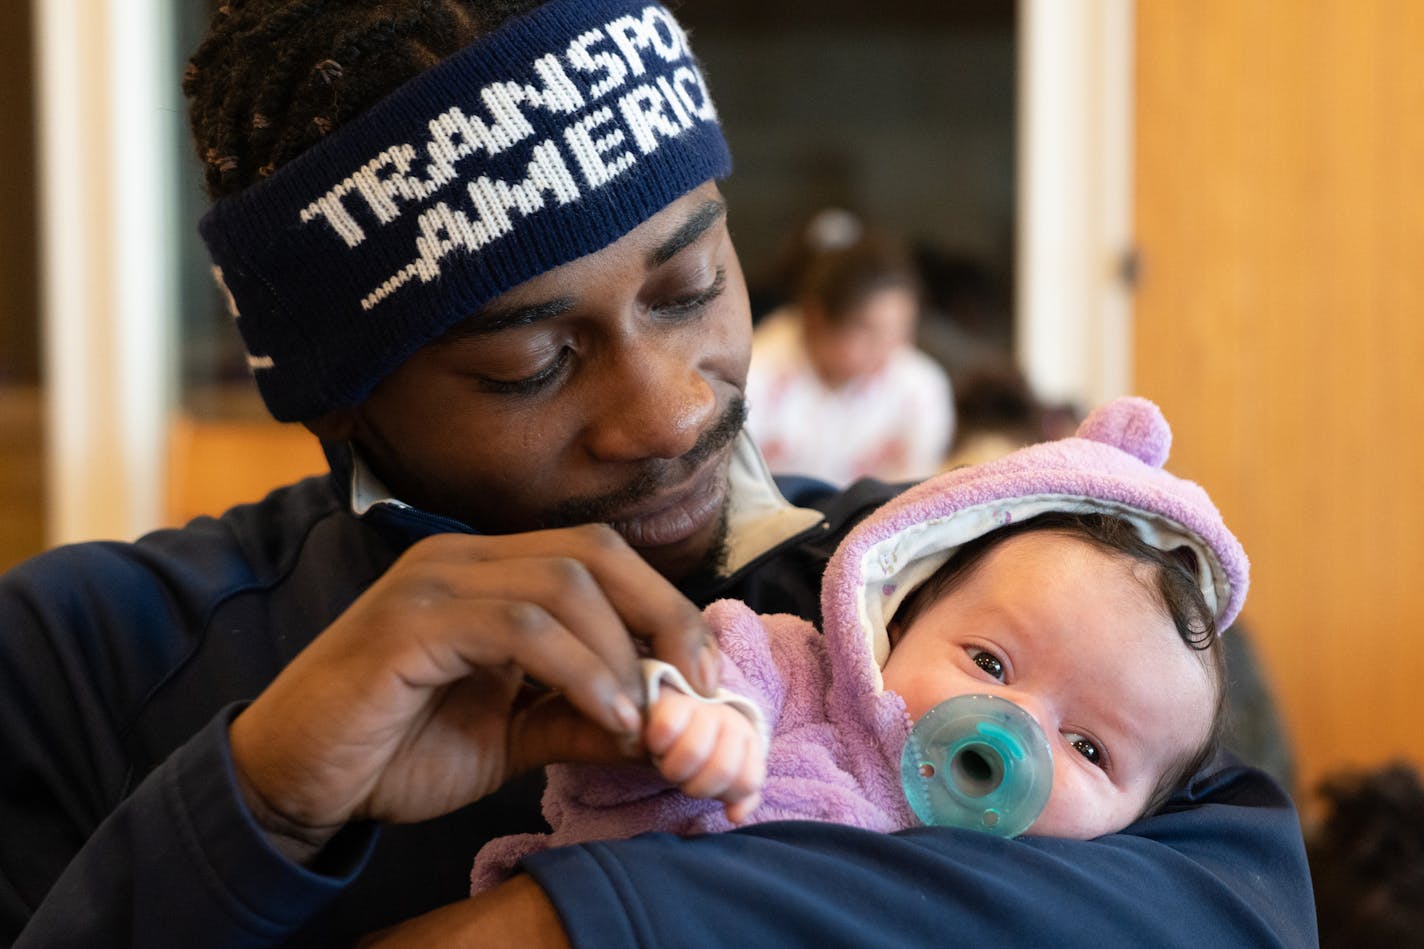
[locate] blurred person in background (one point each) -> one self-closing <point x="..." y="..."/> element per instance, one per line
<point x="996" y="412"/>
<point x="837" y="389"/>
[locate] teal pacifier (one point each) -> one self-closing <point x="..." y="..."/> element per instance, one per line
<point x="978" y="762"/>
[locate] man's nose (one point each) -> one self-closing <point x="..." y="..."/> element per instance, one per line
<point x="654" y="404"/>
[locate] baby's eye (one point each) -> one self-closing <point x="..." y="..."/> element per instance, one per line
<point x="1087" y="748"/>
<point x="989" y="663"/>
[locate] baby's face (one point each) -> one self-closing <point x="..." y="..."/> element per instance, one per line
<point x="1078" y="638"/>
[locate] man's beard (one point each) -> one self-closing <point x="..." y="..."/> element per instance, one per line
<point x="655" y="475"/>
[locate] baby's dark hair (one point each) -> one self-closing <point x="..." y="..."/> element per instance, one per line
<point x="273" y="77"/>
<point x="841" y="278"/>
<point x="1367" y="859"/>
<point x="1176" y="589"/>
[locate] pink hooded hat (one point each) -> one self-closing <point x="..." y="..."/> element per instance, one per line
<point x="1113" y="465"/>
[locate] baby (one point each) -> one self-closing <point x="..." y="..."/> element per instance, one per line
<point x="1075" y="579"/>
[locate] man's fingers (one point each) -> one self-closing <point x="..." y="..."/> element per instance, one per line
<point x="648" y="605"/>
<point x="551" y="730"/>
<point x="739" y="811"/>
<point x="496" y="632"/>
<point x="531" y="588"/>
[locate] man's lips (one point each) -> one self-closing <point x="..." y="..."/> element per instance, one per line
<point x="680" y="513"/>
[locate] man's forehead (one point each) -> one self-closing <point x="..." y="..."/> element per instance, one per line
<point x="669" y="233"/>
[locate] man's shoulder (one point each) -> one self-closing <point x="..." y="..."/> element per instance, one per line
<point x="184" y="567"/>
<point x="125" y="616"/>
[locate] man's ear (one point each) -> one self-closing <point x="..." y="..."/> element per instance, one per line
<point x="338" y="425"/>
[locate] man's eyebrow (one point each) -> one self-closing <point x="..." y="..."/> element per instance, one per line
<point x="494" y="318"/>
<point x="694" y="227"/>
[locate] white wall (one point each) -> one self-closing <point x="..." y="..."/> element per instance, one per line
<point x="106" y="109"/>
<point x="1073" y="326"/>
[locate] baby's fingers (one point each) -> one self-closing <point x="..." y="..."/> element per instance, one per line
<point x="738" y="811"/>
<point x="739" y="788"/>
<point x="667" y="719"/>
<point x="708" y="750"/>
<point x="733" y="766"/>
<point x="694" y="746"/>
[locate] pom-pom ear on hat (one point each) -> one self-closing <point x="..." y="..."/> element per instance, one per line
<point x="1133" y="425"/>
<point x="1112" y="465"/>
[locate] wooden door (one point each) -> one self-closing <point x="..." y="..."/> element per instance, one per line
<point x="1280" y="324"/>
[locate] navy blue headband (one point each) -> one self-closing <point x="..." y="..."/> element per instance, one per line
<point x="545" y="141"/>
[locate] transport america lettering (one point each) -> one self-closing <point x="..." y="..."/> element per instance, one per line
<point x="617" y="93"/>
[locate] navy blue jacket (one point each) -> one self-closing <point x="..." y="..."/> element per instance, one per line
<point x="121" y="665"/>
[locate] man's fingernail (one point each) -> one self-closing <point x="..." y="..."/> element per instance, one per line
<point x="627" y="714"/>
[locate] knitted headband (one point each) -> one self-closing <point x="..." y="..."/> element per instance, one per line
<point x="542" y="142"/>
<point x="1113" y="465"/>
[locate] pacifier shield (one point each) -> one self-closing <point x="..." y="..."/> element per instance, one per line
<point x="977" y="762"/>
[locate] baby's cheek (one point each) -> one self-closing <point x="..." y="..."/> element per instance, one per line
<point x="1077" y="811"/>
<point x="920" y="696"/>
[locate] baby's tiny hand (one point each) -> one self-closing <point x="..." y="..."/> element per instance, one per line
<point x="708" y="750"/>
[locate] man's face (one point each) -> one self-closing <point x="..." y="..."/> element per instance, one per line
<point x="608" y="389"/>
<point x="1076" y="637"/>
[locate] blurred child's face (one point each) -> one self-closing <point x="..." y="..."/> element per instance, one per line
<point x="1078" y="637"/>
<point x="862" y="343"/>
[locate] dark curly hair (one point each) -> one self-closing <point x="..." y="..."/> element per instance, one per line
<point x="274" y="76"/>
<point x="1367" y="859"/>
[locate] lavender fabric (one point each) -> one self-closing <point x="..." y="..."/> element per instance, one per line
<point x="836" y="732"/>
<point x="1112" y="465"/>
<point x="834" y="752"/>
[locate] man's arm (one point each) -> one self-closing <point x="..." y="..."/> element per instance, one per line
<point x="403" y="709"/>
<point x="1230" y="872"/>
<point x="94" y="851"/>
<point x="1226" y="869"/>
<point x="177" y="862"/>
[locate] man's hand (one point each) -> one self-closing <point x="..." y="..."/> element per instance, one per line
<point x="708" y="750"/>
<point x="416" y="701"/>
